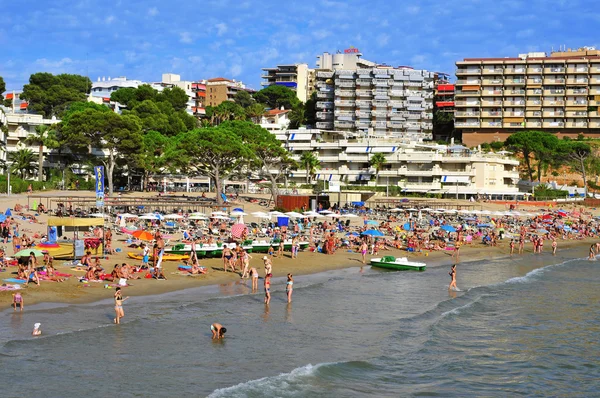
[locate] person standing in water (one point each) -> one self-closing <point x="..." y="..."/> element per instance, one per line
<point x="289" y="287"/>
<point x="554" y="245"/>
<point x="218" y="331"/>
<point x="452" y="274"/>
<point x="363" y="251"/>
<point x="592" y="255"/>
<point x="119" y="305"/>
<point x="512" y="246"/>
<point x="254" y="276"/>
<point x="268" y="288"/>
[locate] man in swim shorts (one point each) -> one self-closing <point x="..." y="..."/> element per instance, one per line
<point x="218" y="331"/>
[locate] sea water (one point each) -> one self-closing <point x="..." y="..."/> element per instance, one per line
<point x="526" y="325"/>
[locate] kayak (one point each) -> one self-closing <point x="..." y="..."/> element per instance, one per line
<point x="166" y="256"/>
<point x="397" y="264"/>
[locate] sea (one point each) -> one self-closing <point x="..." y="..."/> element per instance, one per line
<point x="519" y="326"/>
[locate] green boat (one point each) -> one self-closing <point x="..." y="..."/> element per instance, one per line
<point x="397" y="264"/>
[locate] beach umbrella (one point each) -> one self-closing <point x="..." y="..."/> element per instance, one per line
<point x="352" y="234"/>
<point x="407" y="227"/>
<point x="427" y="209"/>
<point x="372" y="222"/>
<point x="127" y="215"/>
<point x="295" y="214"/>
<point x="412" y="209"/>
<point x="27" y="252"/>
<point x="464" y="211"/>
<point x="312" y="214"/>
<point x="325" y="212"/>
<point x="486" y="212"/>
<point x="218" y="213"/>
<point x="197" y="217"/>
<point x="143" y="235"/>
<point x="333" y="215"/>
<point x="8" y="212"/>
<point x="237" y="230"/>
<point x="396" y="210"/>
<point x="173" y="216"/>
<point x="372" y="232"/>
<point x="448" y="228"/>
<point x="238" y="209"/>
<point x="486" y="225"/>
<point x="2" y="218"/>
<point x="98" y="215"/>
<point x="276" y="213"/>
<point x="220" y="217"/>
<point x="237" y="213"/>
<point x="350" y="215"/>
<point x="451" y="211"/>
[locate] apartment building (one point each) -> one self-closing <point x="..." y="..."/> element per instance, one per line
<point x="199" y="90"/>
<point x="220" y="89"/>
<point x="444" y="94"/>
<point x="380" y="102"/>
<point x="350" y="58"/>
<point x="449" y="170"/>
<point x="298" y="77"/>
<point x="559" y="93"/>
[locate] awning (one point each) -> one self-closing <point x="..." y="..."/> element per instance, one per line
<point x="383" y="149"/>
<point x="456" y="179"/>
<point x="300" y="137"/>
<point x="74" y="222"/>
<point x="357" y="149"/>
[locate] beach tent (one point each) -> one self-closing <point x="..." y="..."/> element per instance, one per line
<point x="8" y="212"/>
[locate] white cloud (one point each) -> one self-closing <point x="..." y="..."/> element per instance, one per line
<point x="153" y="11"/>
<point x="413" y="10"/>
<point x="321" y="33"/>
<point x="221" y="28"/>
<point x="46" y="63"/>
<point x="110" y="19"/>
<point x="383" y="39"/>
<point x="185" y="37"/>
<point x="235" y="70"/>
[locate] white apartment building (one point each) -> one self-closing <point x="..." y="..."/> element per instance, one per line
<point x="349" y="59"/>
<point x="298" y="77"/>
<point x="381" y="102"/>
<point x="439" y="169"/>
<point x="275" y="120"/>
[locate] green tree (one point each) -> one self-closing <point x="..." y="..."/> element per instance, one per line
<point x="377" y="161"/>
<point x="2" y="89"/>
<point x="255" y="112"/>
<point x="296" y="116"/>
<point x="269" y="157"/>
<point x="152" y="157"/>
<point x="275" y="97"/>
<point x="176" y="96"/>
<point x="44" y="136"/>
<point x="213" y="151"/>
<point x="310" y="162"/>
<point x="119" y="136"/>
<point x="532" y="144"/>
<point x="50" y="95"/>
<point x="227" y="110"/>
<point x="310" y="110"/>
<point x="23" y="162"/>
<point x="577" y="154"/>
<point x="243" y="99"/>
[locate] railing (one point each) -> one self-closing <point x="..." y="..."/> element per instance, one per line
<point x="469" y="103"/>
<point x="344" y="103"/>
<point x="324" y="105"/>
<point x="468" y="71"/>
<point x="493" y="113"/>
<point x="364" y="82"/>
<point x="364" y="93"/>
<point x="344" y="83"/>
<point x="324" y="115"/>
<point x="492" y="70"/>
<point x="324" y="125"/>
<point x="468" y="113"/>
<point x="345" y="93"/>
<point x="321" y="94"/>
<point x="466" y="124"/>
<point x="363" y="103"/>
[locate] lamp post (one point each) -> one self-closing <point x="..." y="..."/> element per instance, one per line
<point x="8" y="178"/>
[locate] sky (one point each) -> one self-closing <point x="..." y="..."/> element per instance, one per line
<point x="200" y="39"/>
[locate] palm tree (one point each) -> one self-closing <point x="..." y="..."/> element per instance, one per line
<point x="23" y="162"/>
<point x="42" y="137"/>
<point x="254" y="112"/>
<point x="377" y="161"/>
<point x="310" y="162"/>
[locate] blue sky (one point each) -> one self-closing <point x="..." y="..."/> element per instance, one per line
<point x="200" y="39"/>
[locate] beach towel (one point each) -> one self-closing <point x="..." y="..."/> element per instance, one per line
<point x="14" y="280"/>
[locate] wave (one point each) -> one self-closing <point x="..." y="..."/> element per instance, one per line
<point x="271" y="386"/>
<point x="459" y="310"/>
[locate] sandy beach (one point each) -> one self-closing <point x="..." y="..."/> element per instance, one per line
<point x="73" y="291"/>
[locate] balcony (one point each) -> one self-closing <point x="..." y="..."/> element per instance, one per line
<point x="534" y="82"/>
<point x="491" y="124"/>
<point x="379" y="123"/>
<point x="556" y="81"/>
<point x="344" y="103"/>
<point x="381" y="104"/>
<point x="324" y="94"/>
<point x="382" y="113"/>
<point x="491" y="93"/>
<point x="344" y="124"/>
<point x="473" y="93"/>
<point x="554" y="69"/>
<point x="595" y="68"/>
<point x="577" y="114"/>
<point x="577" y="91"/>
<point x="534" y="92"/>
<point x="468" y="82"/>
<point x="514" y="82"/>
<point x="491" y="103"/>
<point x="572" y="125"/>
<point x="470" y="71"/>
<point x="395" y="124"/>
<point x="535" y="70"/>
<point x="533" y="114"/>
<point x="514" y="92"/>
<point x="492" y="82"/>
<point x="363" y="114"/>
<point x="364" y="93"/>
<point x="363" y="104"/>
<point x="397" y="104"/>
<point x="594" y="114"/>
<point x="324" y="115"/>
<point x="514" y="114"/>
<point x="578" y="70"/>
<point x="324" y="105"/>
<point x="530" y="124"/>
<point x="345" y="93"/>
<point x="380" y="82"/>
<point x="466" y="124"/>
<point x="577" y="82"/>
<point x="362" y="124"/>
<point x="558" y="114"/>
<point x="594" y="103"/>
<point x="397" y="93"/>
<point x="492" y="114"/>
<point x="560" y="92"/>
<point x="492" y="71"/>
<point x="397" y="115"/>
<point x="467" y="103"/>
<point x="364" y="82"/>
<point x="345" y="83"/>
<point x="553" y="103"/>
<point x="514" y="103"/>
<point x="553" y="124"/>
<point x="513" y="125"/>
<point x="466" y="113"/>
<point x="514" y="71"/>
<point x="594" y="124"/>
<point x="324" y="125"/>
<point x="580" y="102"/>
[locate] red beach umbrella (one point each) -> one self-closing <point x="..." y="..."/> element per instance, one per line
<point x="143" y="235"/>
<point x="237" y="230"/>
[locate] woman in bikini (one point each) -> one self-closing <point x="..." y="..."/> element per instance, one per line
<point x="227" y="257"/>
<point x="254" y="276"/>
<point x="119" y="305"/>
<point x="289" y="287"/>
<point x="452" y="274"/>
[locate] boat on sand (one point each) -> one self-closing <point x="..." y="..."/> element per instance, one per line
<point x="397" y="264"/>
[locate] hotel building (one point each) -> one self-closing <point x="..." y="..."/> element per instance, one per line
<point x="219" y="90"/>
<point x="559" y="93"/>
<point x="380" y="101"/>
<point x="450" y="171"/>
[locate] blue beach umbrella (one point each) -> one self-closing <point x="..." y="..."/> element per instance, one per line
<point x="372" y="222"/>
<point x="2" y="218"/>
<point x="352" y="234"/>
<point x="448" y="228"/>
<point x="483" y="225"/>
<point x="238" y="209"/>
<point x="372" y="232"/>
<point x="406" y="227"/>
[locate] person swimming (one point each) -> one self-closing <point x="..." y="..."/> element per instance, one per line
<point x="36" y="329"/>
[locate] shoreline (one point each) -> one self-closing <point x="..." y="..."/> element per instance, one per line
<point x="308" y="263"/>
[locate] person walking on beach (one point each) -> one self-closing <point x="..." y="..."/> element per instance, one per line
<point x="161" y="247"/>
<point x="452" y="274"/>
<point x="521" y="244"/>
<point x="218" y="331"/>
<point x="245" y="263"/>
<point x="363" y="251"/>
<point x="456" y="252"/>
<point x="268" y="265"/>
<point x="289" y="287"/>
<point x="592" y="255"/>
<point x="512" y="246"/>
<point x="119" y="305"/>
<point x="268" y="288"/>
<point x="254" y="276"/>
